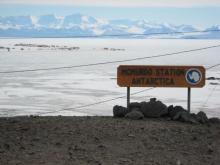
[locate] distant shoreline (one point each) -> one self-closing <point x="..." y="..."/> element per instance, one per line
<point x="110" y="38"/>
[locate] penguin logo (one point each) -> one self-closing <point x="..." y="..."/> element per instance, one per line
<point x="193" y="76"/>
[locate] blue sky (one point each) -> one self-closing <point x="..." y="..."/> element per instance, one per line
<point x="201" y="14"/>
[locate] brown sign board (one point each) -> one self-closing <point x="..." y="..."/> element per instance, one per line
<point x="160" y="76"/>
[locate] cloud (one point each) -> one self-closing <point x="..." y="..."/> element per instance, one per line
<point x="120" y="3"/>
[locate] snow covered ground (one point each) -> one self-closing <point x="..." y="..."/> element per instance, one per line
<point x="32" y="93"/>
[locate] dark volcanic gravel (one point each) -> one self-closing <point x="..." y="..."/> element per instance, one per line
<point x="106" y="140"/>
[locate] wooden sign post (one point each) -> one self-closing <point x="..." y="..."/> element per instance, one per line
<point x="161" y="76"/>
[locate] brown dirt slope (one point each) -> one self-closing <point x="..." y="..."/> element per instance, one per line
<point x="106" y="141"/>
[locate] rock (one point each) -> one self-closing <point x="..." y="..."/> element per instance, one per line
<point x="153" y="99"/>
<point x="1" y="151"/>
<point x="184" y="116"/>
<point x="170" y="108"/>
<point x="178" y="162"/>
<point x="193" y="115"/>
<point x="194" y="138"/>
<point x="134" y="105"/>
<point x="25" y="128"/>
<point x="214" y="120"/>
<point x="173" y="111"/>
<point x="192" y="120"/>
<point x="135" y="109"/>
<point x="201" y="117"/>
<point x="177" y="116"/>
<point x="210" y="149"/>
<point x="36" y="139"/>
<point x="119" y="111"/>
<point x="134" y="115"/>
<point x="181" y="116"/>
<point x="33" y="116"/>
<point x="31" y="153"/>
<point x="154" y="108"/>
<point x="102" y="146"/>
<point x="131" y="135"/>
<point x="124" y="161"/>
<point x="6" y="146"/>
<point x="22" y="148"/>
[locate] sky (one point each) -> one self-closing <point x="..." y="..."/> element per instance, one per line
<point x="121" y="3"/>
<point x="200" y="13"/>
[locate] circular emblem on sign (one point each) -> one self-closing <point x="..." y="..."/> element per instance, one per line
<point x="193" y="76"/>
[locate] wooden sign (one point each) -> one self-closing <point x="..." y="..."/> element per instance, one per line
<point x="161" y="76"/>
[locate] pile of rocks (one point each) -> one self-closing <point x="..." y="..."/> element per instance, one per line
<point x="156" y="109"/>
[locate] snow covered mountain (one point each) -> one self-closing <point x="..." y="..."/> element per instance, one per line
<point x="77" y="25"/>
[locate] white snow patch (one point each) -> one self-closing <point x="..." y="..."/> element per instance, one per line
<point x="102" y="21"/>
<point x="98" y="31"/>
<point x="135" y="29"/>
<point x="34" y="92"/>
<point x="85" y="18"/>
<point x="34" y="20"/>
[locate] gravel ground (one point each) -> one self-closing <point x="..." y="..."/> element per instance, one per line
<point x="106" y="140"/>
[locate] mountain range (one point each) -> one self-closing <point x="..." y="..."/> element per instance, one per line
<point x="78" y="25"/>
